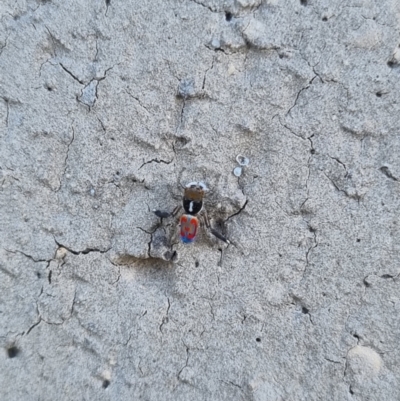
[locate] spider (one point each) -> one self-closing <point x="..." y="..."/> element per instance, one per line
<point x="193" y="195"/>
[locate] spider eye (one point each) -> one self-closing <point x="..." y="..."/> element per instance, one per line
<point x="191" y="185"/>
<point x="202" y="186"/>
<point x="196" y="184"/>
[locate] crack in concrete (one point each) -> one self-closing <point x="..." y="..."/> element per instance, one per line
<point x="218" y="49"/>
<point x="66" y="158"/>
<point x="151" y="238"/>
<point x="7" y="272"/>
<point x="119" y="274"/>
<point x="71" y="74"/>
<point x="205" y="74"/>
<point x="27" y="255"/>
<point x="108" y="2"/>
<point x="156" y="161"/>
<point x="165" y="319"/>
<point x="211" y="311"/>
<point x="41" y="319"/>
<point x="54" y="40"/>
<point x="332" y="361"/>
<point x="181" y="115"/>
<point x="7" y="102"/>
<point x="34" y="325"/>
<point x="312" y="151"/>
<point x="334" y="184"/>
<point x="288" y="128"/>
<point x="82" y="252"/>
<point x="389" y="276"/>
<point x="7" y="175"/>
<point x="8" y="113"/>
<point x="186" y="362"/>
<point x="204" y="5"/>
<point x="298" y="95"/>
<point x="97" y="49"/>
<point x="355" y="335"/>
<point x="230" y="383"/>
<point x="138" y="100"/>
<point x="338" y="161"/>
<point x="221" y="255"/>
<point x="45" y="62"/>
<point x="356" y="196"/>
<point x="308" y="252"/>
<point x="239" y="211"/>
<point x="97" y="81"/>
<point x="102" y="124"/>
<point x="105" y="75"/>
<point x="385" y="170"/>
<point x="5" y="45"/>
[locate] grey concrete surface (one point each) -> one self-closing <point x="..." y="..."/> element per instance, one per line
<point x="107" y="108"/>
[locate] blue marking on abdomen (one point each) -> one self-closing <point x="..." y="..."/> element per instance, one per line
<point x="186" y="240"/>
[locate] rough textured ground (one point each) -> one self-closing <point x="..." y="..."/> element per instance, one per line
<point x="108" y="107"/>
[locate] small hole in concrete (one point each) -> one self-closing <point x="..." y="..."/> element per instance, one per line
<point x="303" y="2"/>
<point x="117" y="173"/>
<point x="312" y="151"/>
<point x="12" y="352"/>
<point x="325" y="19"/>
<point x="112" y="138"/>
<point x="391" y="64"/>
<point x="49" y="88"/>
<point x="182" y="141"/>
<point x="228" y="16"/>
<point x="305" y="310"/>
<point x="106" y="383"/>
<point x="258" y="339"/>
<point x="197" y="264"/>
<point x="358" y="240"/>
<point x="38" y="275"/>
<point x="378" y="94"/>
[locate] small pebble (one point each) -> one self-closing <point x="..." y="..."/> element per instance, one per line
<point x="186" y="88"/>
<point x="215" y="43"/>
<point x="237" y="171"/>
<point x="242" y="160"/>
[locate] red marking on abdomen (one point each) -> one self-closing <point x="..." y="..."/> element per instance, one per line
<point x="189" y="226"/>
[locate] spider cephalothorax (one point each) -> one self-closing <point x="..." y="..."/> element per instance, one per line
<point x="193" y="197"/>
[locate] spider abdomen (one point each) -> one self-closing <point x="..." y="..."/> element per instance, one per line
<point x="189" y="228"/>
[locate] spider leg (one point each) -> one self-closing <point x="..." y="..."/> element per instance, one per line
<point x="212" y="230"/>
<point x="163" y="214"/>
<point x="163" y="237"/>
